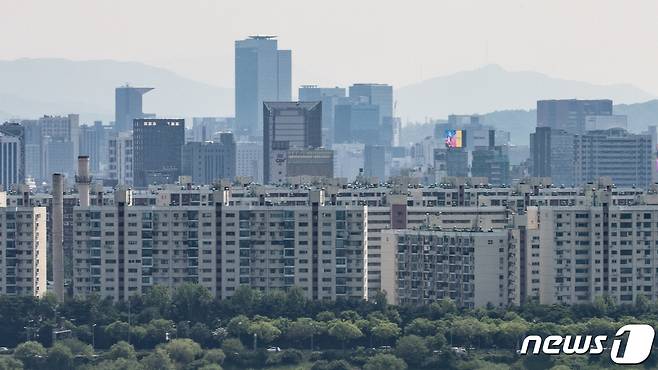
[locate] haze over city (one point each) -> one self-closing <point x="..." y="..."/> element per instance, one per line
<point x="339" y="42"/>
<point x="338" y="185"/>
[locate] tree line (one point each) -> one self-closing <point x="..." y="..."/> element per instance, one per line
<point x="188" y="329"/>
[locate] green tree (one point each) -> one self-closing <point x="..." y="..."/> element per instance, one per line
<point x="412" y="349"/>
<point x="239" y="325"/>
<point x="183" y="351"/>
<point x="385" y="331"/>
<point x="190" y="302"/>
<point x="303" y="329"/>
<point x="158" y="360"/>
<point x="10" y="363"/>
<point x="117" y="331"/>
<point x="214" y="356"/>
<point x="344" y="331"/>
<point x="118" y="364"/>
<point x="157" y="330"/>
<point x="421" y="327"/>
<point x="385" y="362"/>
<point x="122" y="349"/>
<point x="60" y="357"/>
<point x="211" y="367"/>
<point x="31" y="354"/>
<point x="233" y="348"/>
<point x="265" y="331"/>
<point x="200" y="333"/>
<point x="78" y="347"/>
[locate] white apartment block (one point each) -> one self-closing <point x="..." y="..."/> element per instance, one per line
<point x="124" y="249"/>
<point x="473" y="269"/>
<point x="22" y="250"/>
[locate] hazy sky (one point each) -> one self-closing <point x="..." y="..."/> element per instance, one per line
<point x="337" y="42"/>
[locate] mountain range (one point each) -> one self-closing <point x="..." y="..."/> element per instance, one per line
<point x="491" y="88"/>
<point x="33" y="87"/>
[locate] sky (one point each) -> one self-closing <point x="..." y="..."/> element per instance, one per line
<point x="338" y="42"/>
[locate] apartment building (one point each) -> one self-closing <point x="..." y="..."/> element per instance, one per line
<point x="471" y="268"/>
<point x="22" y="250"/>
<point x="124" y="249"/>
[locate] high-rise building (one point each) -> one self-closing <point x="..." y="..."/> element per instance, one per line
<point x="157" y="145"/>
<point x="93" y="143"/>
<point x="11" y="161"/>
<point x="468" y="267"/>
<point x="376" y="94"/>
<point x="287" y="126"/>
<point x="60" y="140"/>
<point x="568" y="159"/>
<point x="128" y="106"/>
<point x="210" y="161"/>
<point x="627" y="159"/>
<point x="376" y="162"/>
<point x="450" y="162"/>
<point x="120" y="159"/>
<point x="570" y="114"/>
<point x="552" y="154"/>
<point x="35" y="150"/>
<point x="492" y="162"/>
<point x="23" y="247"/>
<point x="249" y="160"/>
<point x="319" y="247"/>
<point x="329" y="96"/>
<point x="16" y="130"/>
<point x="357" y="121"/>
<point x="262" y="73"/>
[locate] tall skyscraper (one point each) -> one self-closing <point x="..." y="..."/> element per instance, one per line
<point x="552" y="154"/>
<point x="209" y="161"/>
<point x="10" y="161"/>
<point x="376" y="94"/>
<point x="157" y="147"/>
<point x="570" y="114"/>
<point x="120" y="162"/>
<point x="128" y="106"/>
<point x="262" y="73"/>
<point x="60" y="141"/>
<point x="93" y="143"/>
<point x="17" y="131"/>
<point x="289" y="125"/>
<point x="357" y="122"/>
<point x="329" y="96"/>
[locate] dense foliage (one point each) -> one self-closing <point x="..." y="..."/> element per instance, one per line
<point x="188" y="329"/>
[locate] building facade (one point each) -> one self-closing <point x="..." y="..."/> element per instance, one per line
<point x="207" y="161"/>
<point x="288" y="126"/>
<point x="128" y="106"/>
<point x="320" y="248"/>
<point x="23" y="247"/>
<point x="157" y="145"/>
<point x="262" y="73"/>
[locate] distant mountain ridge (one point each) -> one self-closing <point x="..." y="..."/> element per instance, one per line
<point x="33" y="87"/>
<point x="492" y="88"/>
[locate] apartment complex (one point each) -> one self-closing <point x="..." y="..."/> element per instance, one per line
<point x="124" y="249"/>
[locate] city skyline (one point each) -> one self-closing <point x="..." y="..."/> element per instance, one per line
<point x="205" y="53"/>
